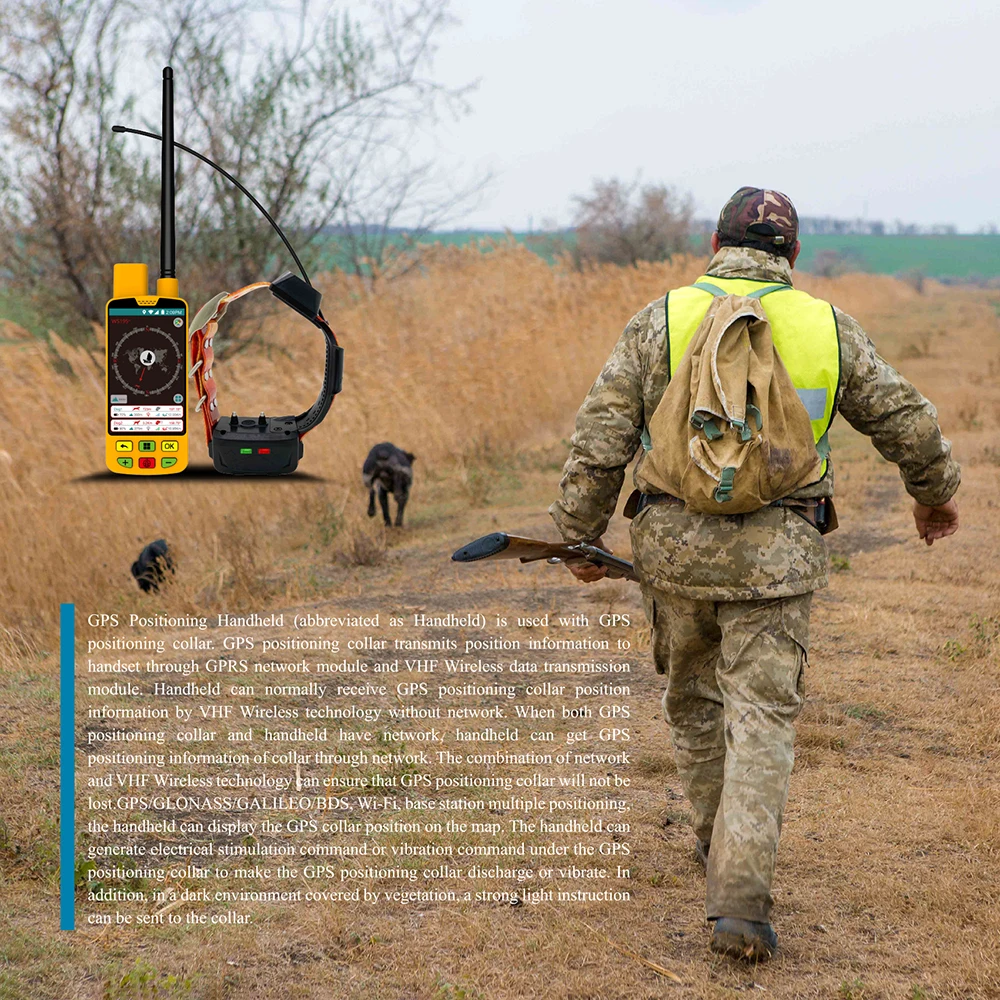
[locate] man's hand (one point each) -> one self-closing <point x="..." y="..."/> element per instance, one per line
<point x="587" y="572"/>
<point x="936" y="522"/>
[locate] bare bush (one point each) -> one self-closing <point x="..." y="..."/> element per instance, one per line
<point x="834" y="263"/>
<point x="915" y="278"/>
<point x="367" y="546"/>
<point x="622" y="223"/>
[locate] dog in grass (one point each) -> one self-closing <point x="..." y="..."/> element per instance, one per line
<point x="390" y="469"/>
<point x="151" y="568"/>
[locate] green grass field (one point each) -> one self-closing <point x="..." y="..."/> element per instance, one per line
<point x="969" y="257"/>
<point x="936" y="256"/>
<point x="962" y="257"/>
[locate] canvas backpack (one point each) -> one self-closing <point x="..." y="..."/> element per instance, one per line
<point x="730" y="434"/>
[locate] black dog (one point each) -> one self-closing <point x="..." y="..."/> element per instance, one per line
<point x="150" y="569"/>
<point x="391" y="469"/>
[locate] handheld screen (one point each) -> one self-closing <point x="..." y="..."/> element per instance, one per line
<point x="147" y="381"/>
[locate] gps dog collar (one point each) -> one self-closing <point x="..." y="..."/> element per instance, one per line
<point x="260" y="446"/>
<point x="254" y="446"/>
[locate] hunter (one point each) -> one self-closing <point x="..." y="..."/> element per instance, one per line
<point x="728" y="595"/>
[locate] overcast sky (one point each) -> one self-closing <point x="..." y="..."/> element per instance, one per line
<point x="879" y="108"/>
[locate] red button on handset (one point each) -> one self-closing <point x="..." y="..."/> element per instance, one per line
<point x="147" y="463"/>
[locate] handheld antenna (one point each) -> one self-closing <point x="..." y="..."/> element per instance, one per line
<point x="167" y="239"/>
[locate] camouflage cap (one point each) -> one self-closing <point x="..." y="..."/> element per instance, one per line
<point x="759" y="215"/>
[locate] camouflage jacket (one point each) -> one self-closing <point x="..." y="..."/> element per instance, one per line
<point x="769" y="553"/>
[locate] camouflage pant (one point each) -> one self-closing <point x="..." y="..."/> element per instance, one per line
<point x="734" y="687"/>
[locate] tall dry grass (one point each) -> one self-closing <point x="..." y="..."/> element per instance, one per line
<point x="480" y="355"/>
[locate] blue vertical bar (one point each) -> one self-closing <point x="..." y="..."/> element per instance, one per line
<point x="67" y="766"/>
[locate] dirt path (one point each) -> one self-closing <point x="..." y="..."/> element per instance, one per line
<point x="887" y="880"/>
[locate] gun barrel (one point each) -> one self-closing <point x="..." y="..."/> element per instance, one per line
<point x="616" y="567"/>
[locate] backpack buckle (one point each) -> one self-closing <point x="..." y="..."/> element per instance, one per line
<point x="725" y="488"/>
<point x="744" y="428"/>
<point x="706" y="425"/>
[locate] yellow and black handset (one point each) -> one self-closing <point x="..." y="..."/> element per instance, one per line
<point x="146" y="391"/>
<point x="146" y="398"/>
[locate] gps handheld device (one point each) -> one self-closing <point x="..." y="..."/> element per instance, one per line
<point x="239" y="446"/>
<point x="146" y="431"/>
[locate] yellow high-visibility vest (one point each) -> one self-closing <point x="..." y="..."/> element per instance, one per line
<point x="803" y="328"/>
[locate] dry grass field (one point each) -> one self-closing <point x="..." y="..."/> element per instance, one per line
<point x="888" y="880"/>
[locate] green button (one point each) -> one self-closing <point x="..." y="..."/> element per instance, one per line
<point x="166" y="463"/>
<point x="147" y="446"/>
<point x="246" y="451"/>
<point x="125" y="463"/>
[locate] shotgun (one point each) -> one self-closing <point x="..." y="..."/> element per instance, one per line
<point x="500" y="545"/>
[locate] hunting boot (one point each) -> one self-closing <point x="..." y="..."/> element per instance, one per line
<point x="755" y="942"/>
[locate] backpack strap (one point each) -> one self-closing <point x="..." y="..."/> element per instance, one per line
<point x="707" y="286"/>
<point x="757" y="293"/>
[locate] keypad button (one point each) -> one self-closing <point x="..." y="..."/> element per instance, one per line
<point x="168" y="446"/>
<point x="147" y="463"/>
<point x="123" y="446"/>
<point x="125" y="463"/>
<point x="168" y="463"/>
<point x="147" y="446"/>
